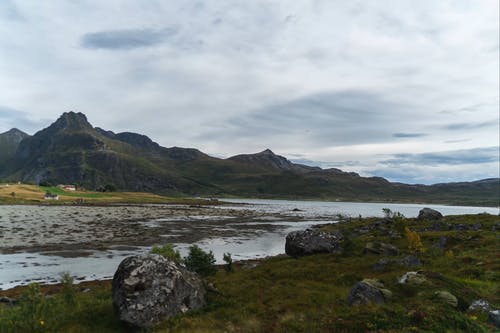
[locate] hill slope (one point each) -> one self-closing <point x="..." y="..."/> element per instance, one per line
<point x="9" y="141"/>
<point x="71" y="150"/>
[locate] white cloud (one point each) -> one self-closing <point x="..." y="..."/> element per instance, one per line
<point x="197" y="67"/>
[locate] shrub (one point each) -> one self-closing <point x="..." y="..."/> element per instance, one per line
<point x="45" y="183"/>
<point x="68" y="289"/>
<point x="414" y="242"/>
<point x="200" y="261"/>
<point x="229" y="262"/>
<point x="29" y="317"/>
<point x="168" y="252"/>
<point x="109" y="188"/>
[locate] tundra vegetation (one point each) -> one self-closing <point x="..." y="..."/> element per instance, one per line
<point x="460" y="265"/>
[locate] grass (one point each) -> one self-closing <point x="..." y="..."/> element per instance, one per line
<point x="32" y="194"/>
<point x="308" y="294"/>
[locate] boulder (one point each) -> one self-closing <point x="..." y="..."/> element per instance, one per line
<point x="447" y="297"/>
<point x="380" y="248"/>
<point x="412" y="278"/>
<point x="410" y="261"/>
<point x="367" y="292"/>
<point x="429" y="214"/>
<point x="479" y="305"/>
<point x="494" y="317"/>
<point x="150" y="288"/>
<point x="311" y="241"/>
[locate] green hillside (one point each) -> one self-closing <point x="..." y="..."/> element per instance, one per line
<point x="72" y="151"/>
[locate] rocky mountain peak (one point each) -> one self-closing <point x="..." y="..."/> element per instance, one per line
<point x="14" y="135"/>
<point x="72" y="121"/>
<point x="267" y="152"/>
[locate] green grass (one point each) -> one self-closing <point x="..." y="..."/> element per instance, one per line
<point x="308" y="294"/>
<point x="60" y="191"/>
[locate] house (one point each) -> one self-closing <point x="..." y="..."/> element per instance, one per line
<point x="67" y="187"/>
<point x="51" y="196"/>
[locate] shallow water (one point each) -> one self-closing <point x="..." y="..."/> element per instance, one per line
<point x="39" y="243"/>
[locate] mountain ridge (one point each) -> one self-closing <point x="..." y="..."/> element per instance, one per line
<point x="71" y="150"/>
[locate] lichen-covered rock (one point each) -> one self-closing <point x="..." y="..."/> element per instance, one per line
<point x="311" y="241"/>
<point x="447" y="297"/>
<point x="412" y="278"/>
<point x="368" y="291"/>
<point x="480" y="305"/>
<point x="380" y="248"/>
<point x="429" y="214"/>
<point x="408" y="261"/>
<point x="494" y="317"/>
<point x="150" y="288"/>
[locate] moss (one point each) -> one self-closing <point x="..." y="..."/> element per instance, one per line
<point x="308" y="294"/>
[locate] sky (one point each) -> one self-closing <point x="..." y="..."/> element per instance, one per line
<point x="402" y="89"/>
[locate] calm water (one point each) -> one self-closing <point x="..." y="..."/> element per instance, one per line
<point x="354" y="209"/>
<point x="262" y="236"/>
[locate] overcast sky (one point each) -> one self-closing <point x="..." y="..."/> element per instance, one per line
<point x="407" y="90"/>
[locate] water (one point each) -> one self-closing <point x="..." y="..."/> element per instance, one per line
<point x="254" y="230"/>
<point x="354" y="209"/>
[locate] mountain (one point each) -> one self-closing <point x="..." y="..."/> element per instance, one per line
<point x="71" y="150"/>
<point x="9" y="141"/>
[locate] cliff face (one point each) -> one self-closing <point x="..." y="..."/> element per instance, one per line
<point x="9" y="141"/>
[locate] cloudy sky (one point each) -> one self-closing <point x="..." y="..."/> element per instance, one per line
<point x="407" y="90"/>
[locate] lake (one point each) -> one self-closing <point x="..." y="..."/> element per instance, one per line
<point x="39" y="243"/>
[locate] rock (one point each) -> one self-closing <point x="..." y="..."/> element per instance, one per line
<point x="479" y="305"/>
<point x="440" y="226"/>
<point x="8" y="301"/>
<point x="460" y="227"/>
<point x="410" y="261"/>
<point x="447" y="297"/>
<point x="150" y="288"/>
<point x="382" y="264"/>
<point x="441" y="244"/>
<point x="413" y="278"/>
<point x="310" y="241"/>
<point x="477" y="226"/>
<point x="381" y="248"/>
<point x="494" y="318"/>
<point x="367" y="292"/>
<point x="429" y="214"/>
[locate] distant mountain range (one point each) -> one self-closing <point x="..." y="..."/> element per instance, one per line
<point x="72" y="151"/>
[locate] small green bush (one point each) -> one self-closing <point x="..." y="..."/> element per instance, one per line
<point x="200" y="261"/>
<point x="168" y="252"/>
<point x="68" y="289"/>
<point x="229" y="262"/>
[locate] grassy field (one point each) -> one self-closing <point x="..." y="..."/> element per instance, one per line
<point x="308" y="294"/>
<point x="32" y="194"/>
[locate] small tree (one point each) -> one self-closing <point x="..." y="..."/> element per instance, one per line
<point x="414" y="242"/>
<point x="168" y="252"/>
<point x="229" y="262"/>
<point x="200" y="261"/>
<point x="387" y="212"/>
<point x="68" y="288"/>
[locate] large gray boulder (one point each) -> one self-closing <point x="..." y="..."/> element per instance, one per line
<point x="429" y="214"/>
<point x="150" y="288"/>
<point x="368" y="292"/>
<point x="311" y="241"/>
